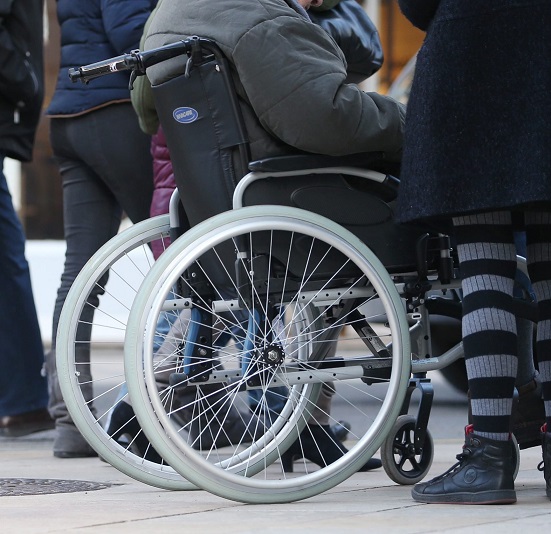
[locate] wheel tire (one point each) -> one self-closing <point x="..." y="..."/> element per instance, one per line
<point x="398" y="453"/>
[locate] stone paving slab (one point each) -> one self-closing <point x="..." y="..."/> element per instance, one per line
<point x="367" y="502"/>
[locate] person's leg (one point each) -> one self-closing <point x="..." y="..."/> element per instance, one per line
<point x="487" y="263"/>
<point x="91" y="216"/>
<point x="22" y="387"/>
<point x="100" y="142"/>
<point x="319" y="442"/>
<point x="527" y="372"/>
<point x="538" y="229"/>
<point x="528" y="411"/>
<point x="487" y="260"/>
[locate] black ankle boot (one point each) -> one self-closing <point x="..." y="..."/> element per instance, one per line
<point x="213" y="421"/>
<point x="123" y="424"/>
<point x="223" y="428"/>
<point x="545" y="465"/>
<point x="318" y="444"/>
<point x="483" y="475"/>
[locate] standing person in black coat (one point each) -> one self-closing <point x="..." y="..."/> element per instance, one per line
<point x="23" y="390"/>
<point x="476" y="152"/>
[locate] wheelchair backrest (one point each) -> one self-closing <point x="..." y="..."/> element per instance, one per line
<point x="201" y="120"/>
<point x="201" y="117"/>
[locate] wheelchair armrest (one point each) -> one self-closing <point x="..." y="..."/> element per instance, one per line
<point x="300" y="162"/>
<point x="365" y="166"/>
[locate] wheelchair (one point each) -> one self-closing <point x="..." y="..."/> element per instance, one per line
<point x="293" y="285"/>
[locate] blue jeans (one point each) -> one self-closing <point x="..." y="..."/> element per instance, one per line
<point x="22" y="386"/>
<point x="106" y="169"/>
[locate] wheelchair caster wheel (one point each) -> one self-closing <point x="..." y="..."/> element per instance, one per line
<point x="401" y="462"/>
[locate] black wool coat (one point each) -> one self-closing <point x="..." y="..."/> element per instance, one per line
<point x="21" y="75"/>
<point x="478" y="124"/>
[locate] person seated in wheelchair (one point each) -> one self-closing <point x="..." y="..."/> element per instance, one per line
<point x="293" y="86"/>
<point x="290" y="76"/>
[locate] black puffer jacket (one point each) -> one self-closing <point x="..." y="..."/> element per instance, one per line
<point x="21" y="75"/>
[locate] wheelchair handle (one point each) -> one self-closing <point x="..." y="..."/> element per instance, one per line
<point x="107" y="66"/>
<point x="137" y="61"/>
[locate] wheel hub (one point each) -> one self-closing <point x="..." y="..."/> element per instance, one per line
<point x="273" y="355"/>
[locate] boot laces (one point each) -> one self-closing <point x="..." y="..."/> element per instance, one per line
<point x="461" y="458"/>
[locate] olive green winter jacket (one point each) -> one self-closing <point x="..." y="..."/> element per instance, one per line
<point x="290" y="75"/>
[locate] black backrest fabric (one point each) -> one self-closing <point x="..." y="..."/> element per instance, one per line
<point x="202" y="131"/>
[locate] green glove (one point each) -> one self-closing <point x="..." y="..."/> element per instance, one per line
<point x="327" y="4"/>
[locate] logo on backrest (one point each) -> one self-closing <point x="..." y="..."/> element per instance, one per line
<point x="185" y="115"/>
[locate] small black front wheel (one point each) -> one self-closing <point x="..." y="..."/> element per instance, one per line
<point x="401" y="461"/>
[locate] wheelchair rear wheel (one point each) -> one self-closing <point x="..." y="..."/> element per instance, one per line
<point x="279" y="311"/>
<point x="91" y="374"/>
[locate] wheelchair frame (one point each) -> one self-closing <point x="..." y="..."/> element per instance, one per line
<point x="407" y="299"/>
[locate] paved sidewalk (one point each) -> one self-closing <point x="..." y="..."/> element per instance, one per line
<point x="367" y="502"/>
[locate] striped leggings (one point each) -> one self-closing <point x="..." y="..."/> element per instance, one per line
<point x="487" y="257"/>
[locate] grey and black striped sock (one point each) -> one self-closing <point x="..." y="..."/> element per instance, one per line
<point x="487" y="257"/>
<point x="538" y="235"/>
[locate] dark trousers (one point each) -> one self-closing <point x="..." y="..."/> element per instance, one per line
<point x="22" y="386"/>
<point x="106" y="169"/>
